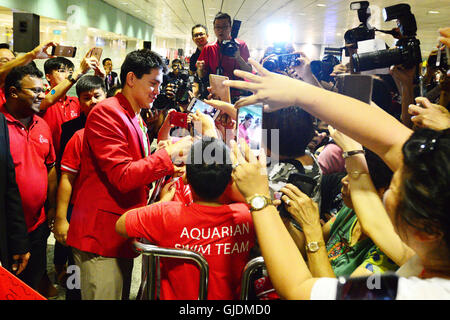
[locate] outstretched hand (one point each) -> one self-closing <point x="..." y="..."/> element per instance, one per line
<point x="268" y="88"/>
<point x="428" y="115"/>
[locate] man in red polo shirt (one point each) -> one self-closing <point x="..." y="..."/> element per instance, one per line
<point x="58" y="108"/>
<point x="116" y="169"/>
<point x="34" y="158"/>
<point x="212" y="60"/>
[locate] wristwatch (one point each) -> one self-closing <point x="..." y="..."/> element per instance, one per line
<point x="258" y="202"/>
<point x="347" y="154"/>
<point x="314" y="246"/>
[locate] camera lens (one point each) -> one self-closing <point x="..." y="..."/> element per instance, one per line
<point x="378" y="59"/>
<point x="271" y="64"/>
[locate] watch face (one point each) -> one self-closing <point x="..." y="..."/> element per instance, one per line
<point x="258" y="202"/>
<point x="313" y="246"/>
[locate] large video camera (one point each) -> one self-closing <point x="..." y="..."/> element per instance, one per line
<point x="364" y="31"/>
<point x="229" y="47"/>
<point x="407" y="51"/>
<point x="282" y="59"/>
<point x="180" y="85"/>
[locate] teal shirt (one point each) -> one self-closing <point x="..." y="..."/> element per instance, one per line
<point x="344" y="258"/>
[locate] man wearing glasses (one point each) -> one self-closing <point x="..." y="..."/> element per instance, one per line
<point x="34" y="158"/>
<point x="200" y="38"/>
<point x="212" y="60"/>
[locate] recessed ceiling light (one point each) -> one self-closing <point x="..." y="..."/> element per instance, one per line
<point x="321" y="5"/>
<point x="433" y="12"/>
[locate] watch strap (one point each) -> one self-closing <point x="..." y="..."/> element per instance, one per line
<point x="347" y="154"/>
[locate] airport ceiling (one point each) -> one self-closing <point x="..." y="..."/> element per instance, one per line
<point x="311" y="21"/>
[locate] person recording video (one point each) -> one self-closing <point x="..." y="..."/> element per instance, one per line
<point x="225" y="55"/>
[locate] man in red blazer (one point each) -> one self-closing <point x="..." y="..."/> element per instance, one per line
<point x="116" y="169"/>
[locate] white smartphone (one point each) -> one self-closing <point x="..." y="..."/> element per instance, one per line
<point x="205" y="108"/>
<point x="249" y="126"/>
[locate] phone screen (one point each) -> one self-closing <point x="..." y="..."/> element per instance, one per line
<point x="250" y="126"/>
<point x="64" y="51"/>
<point x="203" y="107"/>
<point x="375" y="287"/>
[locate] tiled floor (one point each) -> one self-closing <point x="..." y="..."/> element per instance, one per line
<point x="135" y="282"/>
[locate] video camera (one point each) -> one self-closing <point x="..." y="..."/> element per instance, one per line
<point x="323" y="69"/>
<point x="229" y="47"/>
<point x="407" y="52"/>
<point x="363" y="31"/>
<point x="282" y="59"/>
<point x="180" y="86"/>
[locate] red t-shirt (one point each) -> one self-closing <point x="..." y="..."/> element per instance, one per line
<point x="223" y="235"/>
<point x="211" y="55"/>
<point x="32" y="153"/>
<point x="71" y="159"/>
<point x="63" y="110"/>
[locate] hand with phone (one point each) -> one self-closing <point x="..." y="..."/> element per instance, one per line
<point x="203" y="124"/>
<point x="41" y="51"/>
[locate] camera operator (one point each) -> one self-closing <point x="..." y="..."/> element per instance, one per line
<point x="213" y="60"/>
<point x="200" y="38"/>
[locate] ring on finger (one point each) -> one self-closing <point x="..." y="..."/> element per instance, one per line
<point x="288" y="201"/>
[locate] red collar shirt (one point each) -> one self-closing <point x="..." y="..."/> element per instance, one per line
<point x="32" y="152"/>
<point x="63" y="110"/>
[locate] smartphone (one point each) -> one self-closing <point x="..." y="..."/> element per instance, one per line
<point x="178" y="119"/>
<point x="205" y="108"/>
<point x="249" y="126"/>
<point x="96" y="52"/>
<point x="218" y="89"/>
<point x="375" y="287"/>
<point x="64" y="51"/>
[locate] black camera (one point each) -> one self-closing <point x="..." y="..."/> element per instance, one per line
<point x="363" y="31"/>
<point x="180" y="85"/>
<point x="407" y="51"/>
<point x="229" y="47"/>
<point x="282" y="61"/>
<point x="305" y="184"/>
<point x="323" y="69"/>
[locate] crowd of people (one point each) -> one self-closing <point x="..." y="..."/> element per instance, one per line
<point x="357" y="190"/>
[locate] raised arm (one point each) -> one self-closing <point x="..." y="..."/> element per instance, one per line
<point x="371" y="126"/>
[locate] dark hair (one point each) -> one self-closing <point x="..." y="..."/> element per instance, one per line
<point x="248" y="116"/>
<point x="222" y="15"/>
<point x="177" y="61"/>
<point x="17" y="74"/>
<point x="105" y="60"/>
<point x="141" y="62"/>
<point x="425" y="189"/>
<point x="208" y="169"/>
<point x="295" y="130"/>
<point x="88" y="83"/>
<point x="56" y="63"/>
<point x="4" y="45"/>
<point x="199" y="25"/>
<point x="380" y="173"/>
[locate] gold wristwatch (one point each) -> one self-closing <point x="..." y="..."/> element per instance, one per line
<point x="314" y="246"/>
<point x="258" y="202"/>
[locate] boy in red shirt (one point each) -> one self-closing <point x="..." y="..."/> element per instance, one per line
<point x="223" y="233"/>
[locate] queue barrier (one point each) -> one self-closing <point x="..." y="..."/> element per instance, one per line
<point x="155" y="252"/>
<point x="250" y="268"/>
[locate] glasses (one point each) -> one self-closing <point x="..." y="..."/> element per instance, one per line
<point x="65" y="70"/>
<point x="198" y="35"/>
<point x="222" y="27"/>
<point x="36" y="91"/>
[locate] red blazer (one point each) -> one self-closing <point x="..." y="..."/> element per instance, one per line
<point x="113" y="178"/>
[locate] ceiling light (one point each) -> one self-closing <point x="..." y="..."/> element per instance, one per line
<point x="321" y="5"/>
<point x="433" y="12"/>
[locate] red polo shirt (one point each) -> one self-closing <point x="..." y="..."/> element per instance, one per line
<point x="63" y="110"/>
<point x="71" y="159"/>
<point x="32" y="153"/>
<point x="212" y="56"/>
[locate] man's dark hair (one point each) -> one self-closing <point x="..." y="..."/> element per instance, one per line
<point x="88" y="83"/>
<point x="177" y="61"/>
<point x="141" y="62"/>
<point x="198" y="25"/>
<point x="208" y="169"/>
<point x="18" y="73"/>
<point x="4" y="46"/>
<point x="248" y="116"/>
<point x="295" y="130"/>
<point x="106" y="60"/>
<point x="222" y="15"/>
<point x="56" y="63"/>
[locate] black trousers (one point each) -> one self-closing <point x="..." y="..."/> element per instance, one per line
<point x="37" y="265"/>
